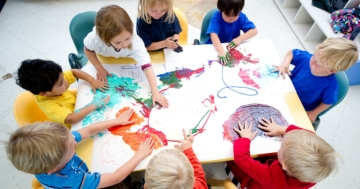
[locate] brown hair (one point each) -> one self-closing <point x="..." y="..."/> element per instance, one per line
<point x="110" y="21"/>
<point x="38" y="148"/>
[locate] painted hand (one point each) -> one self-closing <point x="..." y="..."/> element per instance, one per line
<point x="99" y="103"/>
<point x="101" y="75"/>
<point x="224" y="59"/>
<point x="124" y="118"/>
<point x="245" y="131"/>
<point x="232" y="45"/>
<point x="145" y="148"/>
<point x="169" y="43"/>
<point x="97" y="84"/>
<point x="282" y="69"/>
<point x="185" y="143"/>
<point x="159" y="98"/>
<point x="271" y="128"/>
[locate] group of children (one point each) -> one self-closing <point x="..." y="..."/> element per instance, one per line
<point x="48" y="149"/>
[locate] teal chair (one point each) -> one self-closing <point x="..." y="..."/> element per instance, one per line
<point x="80" y="26"/>
<point x="343" y="89"/>
<point x="204" y="27"/>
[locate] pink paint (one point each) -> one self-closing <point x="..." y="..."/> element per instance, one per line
<point x="244" y="75"/>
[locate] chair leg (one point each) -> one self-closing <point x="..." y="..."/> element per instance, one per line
<point x="316" y="123"/>
<point x="196" y="42"/>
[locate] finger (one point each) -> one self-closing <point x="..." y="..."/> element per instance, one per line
<point x="271" y="120"/>
<point x="129" y="122"/>
<point x="268" y="134"/>
<point x="237" y="130"/>
<point x="153" y="102"/>
<point x="239" y="125"/>
<point x="263" y="128"/>
<point x="184" y="134"/>
<point x="94" y="90"/>
<point x="266" y="121"/>
<point x="249" y="126"/>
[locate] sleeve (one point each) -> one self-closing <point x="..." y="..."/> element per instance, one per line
<point x="246" y="24"/>
<point x="293" y="127"/>
<point x="176" y="26"/>
<point x="299" y="56"/>
<point x="260" y="172"/>
<point x="330" y="94"/>
<point x="90" y="180"/>
<point x="139" y="52"/>
<point x="55" y="111"/>
<point x="89" y="41"/>
<point x="69" y="76"/>
<point x="76" y="136"/>
<point x="142" y="29"/>
<point x="200" y="181"/>
<point x="214" y="25"/>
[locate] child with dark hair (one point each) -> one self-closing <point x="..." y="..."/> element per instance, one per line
<point x="225" y="26"/>
<point x="49" y="84"/>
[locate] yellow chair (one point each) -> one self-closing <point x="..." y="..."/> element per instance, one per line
<point x="183" y="36"/>
<point x="226" y="184"/>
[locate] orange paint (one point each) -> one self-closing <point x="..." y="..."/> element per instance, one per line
<point x="121" y="129"/>
<point x="134" y="139"/>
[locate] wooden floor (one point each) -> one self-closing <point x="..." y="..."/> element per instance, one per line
<point x="195" y="10"/>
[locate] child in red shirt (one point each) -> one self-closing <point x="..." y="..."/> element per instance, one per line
<point x="303" y="159"/>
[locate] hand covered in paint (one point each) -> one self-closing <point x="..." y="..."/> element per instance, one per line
<point x="170" y="43"/>
<point x="245" y="131"/>
<point x="101" y="74"/>
<point x="145" y="148"/>
<point x="97" y="84"/>
<point x="160" y="98"/>
<point x="282" y="69"/>
<point x="99" y="103"/>
<point x="224" y="59"/>
<point x="185" y="143"/>
<point x="271" y="128"/>
<point x="179" y="49"/>
<point x="312" y="116"/>
<point x="124" y="118"/>
<point x="233" y="44"/>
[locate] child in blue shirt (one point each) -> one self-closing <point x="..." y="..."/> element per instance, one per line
<point x="313" y="76"/>
<point x="157" y="24"/>
<point x="225" y="26"/>
<point x="48" y="150"/>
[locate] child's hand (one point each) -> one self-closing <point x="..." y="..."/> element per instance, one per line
<point x="185" y="143"/>
<point x="145" y="148"/>
<point x="282" y="69"/>
<point x="159" y="98"/>
<point x="271" y="128"/>
<point x="101" y="75"/>
<point x="224" y="58"/>
<point x="233" y="44"/>
<point x="245" y="131"/>
<point x="312" y="116"/>
<point x="101" y="102"/>
<point x="170" y="43"/>
<point x="97" y="84"/>
<point x="124" y="118"/>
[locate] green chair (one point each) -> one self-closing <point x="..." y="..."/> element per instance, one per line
<point x="82" y="24"/>
<point x="204" y="27"/>
<point x="343" y="89"/>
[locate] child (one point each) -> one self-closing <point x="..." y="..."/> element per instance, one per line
<point x="49" y="84"/>
<point x="113" y="36"/>
<point x="225" y="26"/>
<point x="172" y="168"/>
<point x="313" y="76"/>
<point x="48" y="151"/>
<point x="303" y="159"/>
<point x="157" y="24"/>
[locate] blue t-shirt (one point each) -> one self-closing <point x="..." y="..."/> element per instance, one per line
<point x="158" y="30"/>
<point x="312" y="90"/>
<point x="75" y="174"/>
<point x="228" y="31"/>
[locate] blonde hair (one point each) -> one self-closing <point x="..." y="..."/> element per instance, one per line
<point x="110" y="21"/>
<point x="38" y="148"/>
<point x="337" y="53"/>
<point x="170" y="168"/>
<point x="308" y="157"/>
<point x="145" y="4"/>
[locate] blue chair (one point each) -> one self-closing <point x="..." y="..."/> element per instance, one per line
<point x="80" y="26"/>
<point x="343" y="89"/>
<point x="204" y="27"/>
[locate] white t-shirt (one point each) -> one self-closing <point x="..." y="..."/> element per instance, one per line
<point x="138" y="52"/>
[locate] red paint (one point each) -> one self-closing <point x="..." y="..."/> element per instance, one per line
<point x="187" y="73"/>
<point x="120" y="130"/>
<point x="244" y="75"/>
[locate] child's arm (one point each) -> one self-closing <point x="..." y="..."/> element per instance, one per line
<point x="186" y="146"/>
<point x="222" y="55"/>
<point x="95" y="84"/>
<point x="284" y="67"/>
<point x="101" y="71"/>
<point x="156" y="96"/>
<point x="236" y="42"/>
<point x="315" y="112"/>
<point x="168" y="42"/>
<point x="109" y="179"/>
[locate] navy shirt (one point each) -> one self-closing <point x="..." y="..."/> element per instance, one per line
<point x="158" y="30"/>
<point x="312" y="90"/>
<point x="228" y="31"/>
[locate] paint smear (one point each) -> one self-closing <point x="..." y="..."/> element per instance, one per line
<point x="173" y="79"/>
<point x="122" y="129"/>
<point x="134" y="139"/>
<point x="236" y="57"/>
<point x="244" y="75"/>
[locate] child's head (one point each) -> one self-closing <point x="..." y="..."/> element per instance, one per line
<point x="41" y="77"/>
<point x="230" y="9"/>
<point x="170" y="168"/>
<point x="307" y="157"/>
<point x="40" y="147"/>
<point x="332" y="55"/>
<point x="155" y="9"/>
<point x="114" y="27"/>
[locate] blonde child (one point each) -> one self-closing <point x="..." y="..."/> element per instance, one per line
<point x="49" y="84"/>
<point x="313" y="76"/>
<point x="113" y="36"/>
<point x="48" y="151"/>
<point x="225" y="26"/>
<point x="303" y="159"/>
<point x="176" y="168"/>
<point x="157" y="24"/>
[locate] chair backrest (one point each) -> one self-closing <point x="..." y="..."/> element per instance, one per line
<point x="343" y="89"/>
<point x="26" y="110"/>
<point x="205" y="25"/>
<point x="183" y="36"/>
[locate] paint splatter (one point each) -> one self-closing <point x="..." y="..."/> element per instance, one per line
<point x="173" y="79"/>
<point x="236" y="57"/>
<point x="252" y="114"/>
